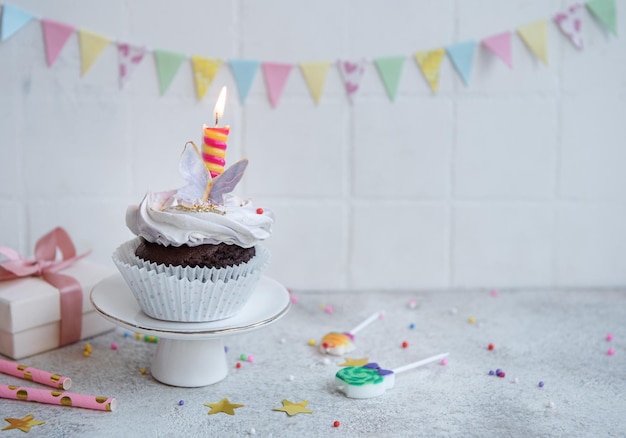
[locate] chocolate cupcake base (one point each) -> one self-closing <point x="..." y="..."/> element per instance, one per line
<point x="204" y="256"/>
<point x="189" y="294"/>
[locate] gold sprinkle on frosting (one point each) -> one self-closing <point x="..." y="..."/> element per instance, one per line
<point x="201" y="208"/>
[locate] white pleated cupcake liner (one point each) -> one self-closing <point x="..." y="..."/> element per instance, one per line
<point x="180" y="294"/>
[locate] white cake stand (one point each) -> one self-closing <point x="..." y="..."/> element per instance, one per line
<point x="190" y="354"/>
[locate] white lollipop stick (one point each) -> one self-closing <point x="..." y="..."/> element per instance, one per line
<point x="340" y="343"/>
<point x="419" y="363"/>
<point x="365" y="323"/>
<point x="370" y="380"/>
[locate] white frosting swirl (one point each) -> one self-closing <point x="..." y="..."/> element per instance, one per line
<point x="158" y="220"/>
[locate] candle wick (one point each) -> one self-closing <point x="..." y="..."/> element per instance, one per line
<point x="216" y="119"/>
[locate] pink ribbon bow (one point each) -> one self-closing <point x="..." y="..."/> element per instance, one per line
<point x="46" y="266"/>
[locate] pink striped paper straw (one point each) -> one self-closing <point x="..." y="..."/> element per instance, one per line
<point x="35" y="375"/>
<point x="57" y="398"/>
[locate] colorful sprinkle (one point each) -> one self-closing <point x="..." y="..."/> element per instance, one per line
<point x="243" y="357"/>
<point x="181" y="402"/>
<point x="609" y="337"/>
<point x="494" y="293"/>
<point x="127" y="334"/>
<point x="412" y="304"/>
<point x="86" y="353"/>
<point x="611" y="352"/>
<point x="238" y="365"/>
<point x="490" y="347"/>
<point x="312" y="342"/>
<point x="405" y="344"/>
<point x="411" y="326"/>
<point x="444" y="362"/>
<point x="225" y="348"/>
<point x="88" y="348"/>
<point x="492" y="373"/>
<point x="550" y="404"/>
<point x="329" y="310"/>
<point x="540" y="384"/>
<point x="502" y="374"/>
<point x="259" y="210"/>
<point x="294" y="299"/>
<point x="143" y="371"/>
<point x="113" y="346"/>
<point x="336" y="424"/>
<point x="250" y="358"/>
<point x="137" y="336"/>
<point x="471" y="320"/>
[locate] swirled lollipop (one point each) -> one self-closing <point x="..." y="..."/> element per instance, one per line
<point x="338" y="343"/>
<point x="370" y="380"/>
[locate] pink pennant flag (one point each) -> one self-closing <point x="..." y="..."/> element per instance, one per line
<point x="570" y="23"/>
<point x="276" y="75"/>
<point x="500" y="45"/>
<point x="352" y="73"/>
<point x="129" y="58"/>
<point x="55" y="35"/>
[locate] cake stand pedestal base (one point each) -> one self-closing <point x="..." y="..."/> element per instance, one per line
<point x="189" y="363"/>
<point x="190" y="354"/>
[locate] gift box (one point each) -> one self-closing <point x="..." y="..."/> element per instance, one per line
<point x="30" y="311"/>
<point x="44" y="301"/>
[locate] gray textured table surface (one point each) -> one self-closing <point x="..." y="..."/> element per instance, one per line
<point x="558" y="337"/>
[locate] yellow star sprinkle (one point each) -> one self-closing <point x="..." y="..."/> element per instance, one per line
<point x="354" y="362"/>
<point x="23" y="424"/>
<point x="222" y="406"/>
<point x="294" y="408"/>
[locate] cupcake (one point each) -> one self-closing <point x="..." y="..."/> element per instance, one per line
<point x="197" y="255"/>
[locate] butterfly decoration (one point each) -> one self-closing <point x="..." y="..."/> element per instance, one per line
<point x="200" y="186"/>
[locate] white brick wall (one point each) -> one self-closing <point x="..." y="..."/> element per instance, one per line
<point x="514" y="181"/>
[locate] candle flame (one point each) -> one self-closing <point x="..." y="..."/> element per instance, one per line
<point x="219" y="105"/>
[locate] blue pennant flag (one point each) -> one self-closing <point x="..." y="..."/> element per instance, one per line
<point x="13" y="19"/>
<point x="462" y="56"/>
<point x="244" y="71"/>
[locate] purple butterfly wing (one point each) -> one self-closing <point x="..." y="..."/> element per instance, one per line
<point x="227" y="181"/>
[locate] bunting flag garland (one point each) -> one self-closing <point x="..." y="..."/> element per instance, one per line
<point x="390" y="69"/>
<point x="129" y="57"/>
<point x="462" y="56"/>
<point x="55" y="35"/>
<point x="244" y="71"/>
<point x="204" y="71"/>
<point x="91" y="47"/>
<point x="351" y="73"/>
<point x="276" y="75"/>
<point x="167" y="64"/>
<point x="500" y="45"/>
<point x="605" y="12"/>
<point x="13" y="19"/>
<point x="535" y="36"/>
<point x="570" y="23"/>
<point x="429" y="62"/>
<point x="315" y="77"/>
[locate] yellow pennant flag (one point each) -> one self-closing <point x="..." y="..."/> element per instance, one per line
<point x="429" y="62"/>
<point x="535" y="36"/>
<point x="204" y="71"/>
<point x="315" y="76"/>
<point x="91" y="47"/>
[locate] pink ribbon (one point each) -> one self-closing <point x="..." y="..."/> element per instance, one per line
<point x="46" y="266"/>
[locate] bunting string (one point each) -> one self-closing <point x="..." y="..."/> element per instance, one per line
<point x="461" y="54"/>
